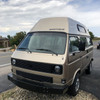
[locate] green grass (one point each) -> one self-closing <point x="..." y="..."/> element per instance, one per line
<point x="96" y="39"/>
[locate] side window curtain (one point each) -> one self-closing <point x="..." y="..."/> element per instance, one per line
<point x="73" y="44"/>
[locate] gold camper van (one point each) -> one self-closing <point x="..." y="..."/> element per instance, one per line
<point x="52" y="56"/>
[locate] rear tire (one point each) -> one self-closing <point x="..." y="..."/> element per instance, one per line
<point x="97" y="47"/>
<point x="74" y="88"/>
<point x="89" y="68"/>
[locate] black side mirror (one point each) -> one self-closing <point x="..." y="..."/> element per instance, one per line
<point x="82" y="46"/>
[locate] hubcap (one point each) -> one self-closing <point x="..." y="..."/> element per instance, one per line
<point x="77" y="84"/>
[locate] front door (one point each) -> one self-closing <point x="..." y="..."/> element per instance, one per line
<point x="74" y="55"/>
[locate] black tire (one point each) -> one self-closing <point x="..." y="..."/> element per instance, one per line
<point x="74" y="88"/>
<point x="89" y="69"/>
<point x="97" y="47"/>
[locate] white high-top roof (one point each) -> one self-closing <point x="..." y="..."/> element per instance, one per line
<point x="59" y="24"/>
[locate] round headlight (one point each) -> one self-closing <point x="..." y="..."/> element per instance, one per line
<point x="13" y="61"/>
<point x="57" y="69"/>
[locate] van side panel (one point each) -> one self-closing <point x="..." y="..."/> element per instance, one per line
<point x="87" y="55"/>
<point x="78" y="60"/>
<point x="74" y="64"/>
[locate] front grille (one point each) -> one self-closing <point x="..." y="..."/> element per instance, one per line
<point x="34" y="77"/>
<point x="42" y="67"/>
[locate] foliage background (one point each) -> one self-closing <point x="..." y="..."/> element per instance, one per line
<point x="15" y="40"/>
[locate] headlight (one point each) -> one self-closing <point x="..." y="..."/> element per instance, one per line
<point x="13" y="61"/>
<point x="57" y="69"/>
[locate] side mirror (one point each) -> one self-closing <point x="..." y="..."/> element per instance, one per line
<point x="82" y="46"/>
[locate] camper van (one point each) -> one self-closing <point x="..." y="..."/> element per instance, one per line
<point x="52" y="56"/>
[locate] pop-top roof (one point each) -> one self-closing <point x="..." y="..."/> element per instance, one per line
<point x="60" y="24"/>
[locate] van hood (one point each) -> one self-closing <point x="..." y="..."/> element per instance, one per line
<point x="39" y="57"/>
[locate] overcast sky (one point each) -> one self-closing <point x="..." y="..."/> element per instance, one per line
<point x="21" y="15"/>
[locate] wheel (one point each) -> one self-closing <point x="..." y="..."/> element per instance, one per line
<point x="74" y="88"/>
<point x="97" y="47"/>
<point x="89" y="68"/>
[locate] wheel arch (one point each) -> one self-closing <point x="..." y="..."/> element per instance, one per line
<point x="78" y="71"/>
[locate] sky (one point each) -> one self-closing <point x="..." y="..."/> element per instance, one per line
<point x="22" y="15"/>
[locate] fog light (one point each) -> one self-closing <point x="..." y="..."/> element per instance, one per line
<point x="63" y="81"/>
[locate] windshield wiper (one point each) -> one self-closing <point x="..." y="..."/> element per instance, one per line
<point x="26" y="49"/>
<point x="48" y="50"/>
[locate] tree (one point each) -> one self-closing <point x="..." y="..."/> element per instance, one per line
<point x="15" y="40"/>
<point x="91" y="34"/>
<point x="9" y="37"/>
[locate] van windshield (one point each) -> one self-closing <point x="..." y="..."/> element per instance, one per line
<point x="44" y="42"/>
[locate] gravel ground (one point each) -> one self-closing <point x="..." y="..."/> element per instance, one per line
<point x="22" y="94"/>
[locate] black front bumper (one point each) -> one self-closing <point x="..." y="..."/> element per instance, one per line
<point x="37" y="86"/>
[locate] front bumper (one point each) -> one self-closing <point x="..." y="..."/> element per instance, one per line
<point x="37" y="86"/>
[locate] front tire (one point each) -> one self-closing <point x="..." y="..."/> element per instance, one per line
<point x="74" y="88"/>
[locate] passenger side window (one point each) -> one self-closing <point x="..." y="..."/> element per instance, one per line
<point x="73" y="44"/>
<point x="89" y="41"/>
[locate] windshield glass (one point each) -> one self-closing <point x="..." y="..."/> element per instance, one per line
<point x="47" y="42"/>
